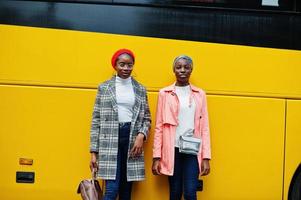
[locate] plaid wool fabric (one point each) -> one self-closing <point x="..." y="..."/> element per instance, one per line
<point x="104" y="130"/>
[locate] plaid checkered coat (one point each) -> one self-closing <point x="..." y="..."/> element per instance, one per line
<point x="104" y="130"/>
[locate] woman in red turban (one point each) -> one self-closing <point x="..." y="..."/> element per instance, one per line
<point x="120" y="124"/>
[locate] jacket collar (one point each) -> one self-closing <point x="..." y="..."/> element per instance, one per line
<point x="137" y="92"/>
<point x="112" y="82"/>
<point x="172" y="88"/>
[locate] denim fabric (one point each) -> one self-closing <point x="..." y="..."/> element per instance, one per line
<point x="186" y="173"/>
<point x="120" y="186"/>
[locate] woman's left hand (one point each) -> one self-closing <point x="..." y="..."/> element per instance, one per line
<point x="138" y="145"/>
<point x="205" y="167"/>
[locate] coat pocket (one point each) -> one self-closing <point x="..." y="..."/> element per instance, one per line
<point x="170" y="115"/>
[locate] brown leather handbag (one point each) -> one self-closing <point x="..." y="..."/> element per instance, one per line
<point x="90" y="189"/>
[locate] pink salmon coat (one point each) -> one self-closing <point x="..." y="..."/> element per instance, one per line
<point x="166" y="123"/>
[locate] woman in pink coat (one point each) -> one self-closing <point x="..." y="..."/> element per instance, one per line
<point x="181" y="111"/>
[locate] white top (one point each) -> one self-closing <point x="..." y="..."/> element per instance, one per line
<point x="125" y="98"/>
<point x="186" y="113"/>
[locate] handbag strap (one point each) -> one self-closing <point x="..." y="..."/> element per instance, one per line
<point x="94" y="174"/>
<point x="94" y="178"/>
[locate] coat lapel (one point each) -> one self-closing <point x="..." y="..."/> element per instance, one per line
<point x="112" y="93"/>
<point x="138" y="97"/>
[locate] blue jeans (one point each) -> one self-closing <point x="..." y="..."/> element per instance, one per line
<point x="120" y="185"/>
<point x="186" y="173"/>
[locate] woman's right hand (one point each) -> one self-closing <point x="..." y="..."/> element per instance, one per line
<point x="156" y="167"/>
<point x="93" y="162"/>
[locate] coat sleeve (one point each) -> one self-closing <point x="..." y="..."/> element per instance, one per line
<point x="146" y="122"/>
<point x="94" y="131"/>
<point x="157" y="146"/>
<point x="206" y="147"/>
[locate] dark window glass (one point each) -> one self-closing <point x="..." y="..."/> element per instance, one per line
<point x="285" y="5"/>
<point x="246" y="4"/>
<point x="298" y="5"/>
<point x="281" y="5"/>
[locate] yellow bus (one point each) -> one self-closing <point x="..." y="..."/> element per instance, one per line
<point x="247" y="57"/>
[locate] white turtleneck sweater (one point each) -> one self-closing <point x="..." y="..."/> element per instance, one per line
<point x="186" y="113"/>
<point x="125" y="98"/>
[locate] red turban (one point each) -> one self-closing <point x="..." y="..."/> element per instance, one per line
<point x="120" y="52"/>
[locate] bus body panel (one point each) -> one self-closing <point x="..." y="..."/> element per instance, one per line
<point x="292" y="142"/>
<point x="51" y="57"/>
<point x="48" y="84"/>
<point x="51" y="126"/>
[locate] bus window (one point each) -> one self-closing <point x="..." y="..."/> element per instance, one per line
<point x="270" y="3"/>
<point x="285" y="5"/>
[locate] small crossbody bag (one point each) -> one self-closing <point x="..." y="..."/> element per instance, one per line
<point x="189" y="145"/>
